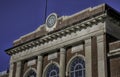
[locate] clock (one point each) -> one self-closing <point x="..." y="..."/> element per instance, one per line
<point x="51" y="20"/>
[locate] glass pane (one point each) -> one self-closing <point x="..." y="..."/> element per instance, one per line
<point x="72" y="74"/>
<point x="80" y="73"/>
<point x="72" y="68"/>
<point x="77" y="68"/>
<point x="31" y="74"/>
<point x="52" y="71"/>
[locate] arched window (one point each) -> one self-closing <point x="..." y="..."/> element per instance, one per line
<point x="52" y="71"/>
<point x="31" y="73"/>
<point x="77" y="67"/>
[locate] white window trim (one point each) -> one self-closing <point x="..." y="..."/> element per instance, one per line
<point x="68" y="64"/>
<point x="26" y="73"/>
<point x="45" y="69"/>
<point x="74" y="71"/>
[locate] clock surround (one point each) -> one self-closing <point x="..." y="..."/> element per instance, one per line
<point x="51" y="21"/>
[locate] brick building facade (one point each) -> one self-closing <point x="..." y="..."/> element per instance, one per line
<point x="85" y="44"/>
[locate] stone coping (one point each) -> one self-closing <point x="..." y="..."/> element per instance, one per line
<point x="3" y="73"/>
<point x="114" y="45"/>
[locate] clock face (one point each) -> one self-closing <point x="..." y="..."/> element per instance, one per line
<point x="51" y="20"/>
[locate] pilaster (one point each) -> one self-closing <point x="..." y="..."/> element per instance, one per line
<point x="88" y="58"/>
<point x="11" y="70"/>
<point x="101" y="56"/>
<point x="39" y="66"/>
<point x="18" y="69"/>
<point x="62" y="62"/>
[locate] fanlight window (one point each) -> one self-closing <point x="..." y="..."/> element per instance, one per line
<point x="52" y="71"/>
<point x="31" y="73"/>
<point x="77" y="68"/>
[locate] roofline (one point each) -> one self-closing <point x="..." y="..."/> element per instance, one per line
<point x="107" y="10"/>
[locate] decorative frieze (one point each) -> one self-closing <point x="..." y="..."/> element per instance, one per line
<point x="55" y="35"/>
<point x="114" y="20"/>
<point x="62" y="41"/>
<point x="93" y="21"/>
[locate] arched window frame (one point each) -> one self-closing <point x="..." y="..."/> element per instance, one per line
<point x="27" y="72"/>
<point x="52" y="72"/>
<point x="70" y="61"/>
<point x="45" y="69"/>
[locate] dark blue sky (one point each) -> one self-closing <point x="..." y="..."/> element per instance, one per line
<point x="19" y="17"/>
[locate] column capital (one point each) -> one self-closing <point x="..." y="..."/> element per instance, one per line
<point x="62" y="50"/>
<point x="100" y="38"/>
<point x="19" y="63"/>
<point x="11" y="59"/>
<point x="11" y="65"/>
<point x="88" y="42"/>
<point x="40" y="58"/>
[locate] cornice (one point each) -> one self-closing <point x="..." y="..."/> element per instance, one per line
<point x="113" y="53"/>
<point x="68" y="30"/>
<point x="66" y="25"/>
